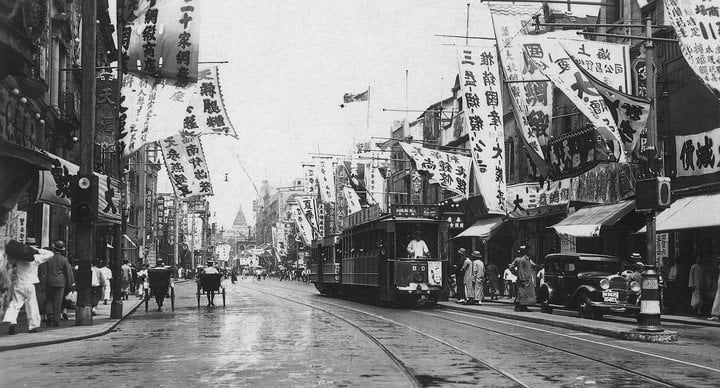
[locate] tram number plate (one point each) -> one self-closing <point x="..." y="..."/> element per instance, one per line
<point x="610" y="296"/>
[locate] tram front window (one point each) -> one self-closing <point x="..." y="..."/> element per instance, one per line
<point x="416" y="241"/>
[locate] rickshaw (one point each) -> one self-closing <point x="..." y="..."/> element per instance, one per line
<point x="159" y="284"/>
<point x="210" y="282"/>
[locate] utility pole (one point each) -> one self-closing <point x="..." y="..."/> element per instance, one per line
<point x="651" y="144"/>
<point x="85" y="244"/>
<point x="176" y="234"/>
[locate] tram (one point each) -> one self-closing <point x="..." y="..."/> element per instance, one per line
<point x="324" y="265"/>
<point x="375" y="265"/>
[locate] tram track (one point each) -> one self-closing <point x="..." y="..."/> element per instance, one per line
<point x="408" y="371"/>
<point x="655" y="380"/>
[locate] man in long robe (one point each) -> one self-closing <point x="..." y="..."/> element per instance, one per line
<point x="467" y="276"/>
<point x="523" y="269"/>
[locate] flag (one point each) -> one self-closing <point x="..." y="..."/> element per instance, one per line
<point x="449" y="170"/>
<point x="352" y="199"/>
<point x="348" y="98"/>
<point x="302" y="224"/>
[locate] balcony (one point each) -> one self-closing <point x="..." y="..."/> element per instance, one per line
<point x="69" y="106"/>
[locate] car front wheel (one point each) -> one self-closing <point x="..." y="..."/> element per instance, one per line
<point x="585" y="307"/>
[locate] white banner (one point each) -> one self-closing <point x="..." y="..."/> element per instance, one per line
<point x="695" y="154"/>
<point x="206" y="114"/>
<point x="310" y="184"/>
<point x="325" y="176"/>
<point x="449" y="170"/>
<point x="608" y="62"/>
<point x="54" y="188"/>
<point x="186" y="166"/>
<point x="352" y="200"/>
<point x="308" y="204"/>
<point x="533" y="199"/>
<point x="163" y="40"/>
<point x="376" y="186"/>
<point x="303" y="226"/>
<point x="553" y="61"/>
<point x="482" y="104"/>
<point x="696" y="25"/>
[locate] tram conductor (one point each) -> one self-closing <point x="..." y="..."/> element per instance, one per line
<point x="417" y="247"/>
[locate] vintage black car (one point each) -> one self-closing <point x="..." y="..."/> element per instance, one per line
<point x="589" y="283"/>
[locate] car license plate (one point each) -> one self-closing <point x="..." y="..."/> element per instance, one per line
<point x="610" y="296"/>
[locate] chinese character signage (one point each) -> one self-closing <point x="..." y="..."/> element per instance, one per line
<point x="696" y="25"/>
<point x="186" y="166"/>
<point x="553" y="61"/>
<point x="604" y="184"/>
<point x="163" y="40"/>
<point x="377" y="186"/>
<point x="577" y="152"/>
<point x="206" y="113"/>
<point x="482" y="105"/>
<point x="449" y="170"/>
<point x="531" y="91"/>
<point x="308" y="205"/>
<point x="352" y="200"/>
<point x="303" y="225"/>
<point x="534" y="199"/>
<point x="54" y="188"/>
<point x="325" y="177"/>
<point x="608" y="62"/>
<point x="309" y="182"/>
<point x="697" y="154"/>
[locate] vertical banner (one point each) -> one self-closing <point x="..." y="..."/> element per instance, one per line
<point x="308" y="204"/>
<point x="303" y="226"/>
<point x="449" y="170"/>
<point x="482" y="104"/>
<point x="553" y="61"/>
<point x="607" y="62"/>
<point x="206" y="112"/>
<point x="186" y="166"/>
<point x="695" y="23"/>
<point x="164" y="40"/>
<point x="531" y="91"/>
<point x="310" y="183"/>
<point x="376" y="185"/>
<point x="352" y="199"/>
<point x="325" y="177"/>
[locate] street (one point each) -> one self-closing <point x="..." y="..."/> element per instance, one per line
<point x="275" y="333"/>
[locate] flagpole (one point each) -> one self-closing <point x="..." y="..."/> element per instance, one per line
<point x="368" y="111"/>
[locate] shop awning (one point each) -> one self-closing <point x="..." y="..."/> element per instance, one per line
<point x="587" y="222"/>
<point x="482" y="228"/>
<point x="688" y="213"/>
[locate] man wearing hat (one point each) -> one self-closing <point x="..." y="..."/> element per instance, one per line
<point x="58" y="281"/>
<point x="467" y="276"/>
<point x="478" y="275"/>
<point x="634" y="273"/>
<point x="26" y="261"/>
<point x="522" y="266"/>
<point x="460" y="284"/>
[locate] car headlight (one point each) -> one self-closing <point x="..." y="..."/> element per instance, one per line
<point x="635" y="286"/>
<point x="605" y="284"/>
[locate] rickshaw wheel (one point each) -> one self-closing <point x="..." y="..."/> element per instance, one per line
<point x="198" y="295"/>
<point x="147" y="299"/>
<point x="172" y="298"/>
<point x="223" y="293"/>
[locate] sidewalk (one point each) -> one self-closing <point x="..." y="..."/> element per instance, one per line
<point x="102" y="324"/>
<point x="503" y="308"/>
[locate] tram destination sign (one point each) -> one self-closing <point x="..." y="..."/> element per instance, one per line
<point x="404" y="210"/>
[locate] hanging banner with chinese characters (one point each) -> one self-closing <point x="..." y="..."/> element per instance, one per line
<point x="574" y="153"/>
<point x="531" y="91"/>
<point x="629" y="112"/>
<point x="304" y="229"/>
<point x="54" y="188"/>
<point x="695" y="23"/>
<point x="376" y="187"/>
<point x="352" y="200"/>
<point x="553" y="61"/>
<point x="309" y="182"/>
<point x="186" y="166"/>
<point x="482" y="105"/>
<point x="308" y="204"/>
<point x="206" y="114"/>
<point x="604" y="184"/>
<point x="449" y="170"/>
<point x="696" y="154"/>
<point x="326" y="180"/>
<point x="527" y="200"/>
<point x="163" y="40"/>
<point x="607" y="62"/>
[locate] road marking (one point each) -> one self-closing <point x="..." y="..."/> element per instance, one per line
<point x="586" y="340"/>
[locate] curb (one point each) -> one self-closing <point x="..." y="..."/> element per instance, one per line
<point x="99" y="333"/>
<point x="631" y="335"/>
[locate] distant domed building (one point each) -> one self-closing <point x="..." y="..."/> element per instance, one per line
<point x="240" y="227"/>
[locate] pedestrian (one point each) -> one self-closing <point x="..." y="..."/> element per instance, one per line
<point x="96" y="284"/>
<point x="715" y="311"/>
<point x="233" y="276"/>
<point x="468" y="280"/>
<point x="141" y="279"/>
<point x="509" y="279"/>
<point x="478" y="277"/>
<point x="125" y="279"/>
<point x="672" y="286"/>
<point x="26" y="259"/>
<point x="59" y="281"/>
<point x="159" y="289"/>
<point x="106" y="278"/>
<point x="210" y="269"/>
<point x="522" y="267"/>
<point x="460" y="285"/>
<point x="492" y="276"/>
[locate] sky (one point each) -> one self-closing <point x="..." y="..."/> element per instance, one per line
<point x="289" y="64"/>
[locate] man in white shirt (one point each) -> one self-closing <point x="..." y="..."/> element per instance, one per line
<point x="417" y="247"/>
<point x="27" y="277"/>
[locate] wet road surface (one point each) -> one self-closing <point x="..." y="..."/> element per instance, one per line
<point x="275" y="333"/>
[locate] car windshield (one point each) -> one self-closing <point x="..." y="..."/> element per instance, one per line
<point x="598" y="266"/>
